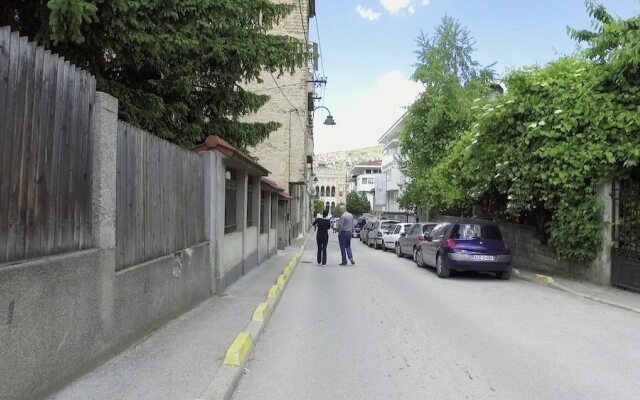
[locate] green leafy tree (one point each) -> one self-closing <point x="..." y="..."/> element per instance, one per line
<point x="546" y="146"/>
<point x="455" y="85"/>
<point x="175" y="66"/>
<point x="318" y="207"/>
<point x="358" y="204"/>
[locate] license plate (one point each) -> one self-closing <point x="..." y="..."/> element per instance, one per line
<point x="477" y="257"/>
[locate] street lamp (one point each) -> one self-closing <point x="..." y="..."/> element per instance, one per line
<point x="329" y="120"/>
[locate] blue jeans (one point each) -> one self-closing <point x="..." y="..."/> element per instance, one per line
<point x="344" y="238"/>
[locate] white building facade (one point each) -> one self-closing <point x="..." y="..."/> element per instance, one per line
<point x="362" y="179"/>
<point x="394" y="178"/>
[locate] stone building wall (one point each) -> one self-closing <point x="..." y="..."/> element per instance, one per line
<point x="284" y="153"/>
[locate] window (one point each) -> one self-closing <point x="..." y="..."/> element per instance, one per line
<point x="426" y="228"/>
<point x="396" y="230"/>
<point x="364" y="181"/>
<point x="340" y="193"/>
<point x="263" y="212"/>
<point x="250" y="201"/>
<point x="230" y="190"/>
<point x="274" y="210"/>
<point x="415" y="230"/>
<point x="475" y="231"/>
<point x="368" y="171"/>
<point x="322" y="191"/>
<point x="438" y="231"/>
<point x="333" y="191"/>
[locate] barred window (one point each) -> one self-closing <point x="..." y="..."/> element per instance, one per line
<point x="230" y="201"/>
<point x="249" y="201"/>
<point x="264" y="213"/>
<point x="274" y="211"/>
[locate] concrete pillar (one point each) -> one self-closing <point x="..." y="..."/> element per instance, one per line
<point x="214" y="202"/>
<point x="105" y="143"/>
<point x="601" y="267"/>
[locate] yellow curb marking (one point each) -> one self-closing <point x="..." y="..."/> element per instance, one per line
<point x="287" y="271"/>
<point x="238" y="349"/>
<point x="274" y="292"/>
<point x="281" y="280"/>
<point x="543" y="278"/>
<point x="261" y="312"/>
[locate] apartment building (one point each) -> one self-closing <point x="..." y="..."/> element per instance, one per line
<point x="288" y="152"/>
<point x="361" y="179"/>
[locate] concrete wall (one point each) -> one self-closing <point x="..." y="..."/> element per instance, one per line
<point x="251" y="238"/>
<point x="263" y="247"/>
<point x="273" y="242"/>
<point x="232" y="260"/>
<point x="66" y="314"/>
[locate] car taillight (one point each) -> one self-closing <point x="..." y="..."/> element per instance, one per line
<point x="421" y="238"/>
<point x="450" y="244"/>
<point x="507" y="249"/>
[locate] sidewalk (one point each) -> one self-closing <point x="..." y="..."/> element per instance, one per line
<point x="609" y="295"/>
<point x="179" y="360"/>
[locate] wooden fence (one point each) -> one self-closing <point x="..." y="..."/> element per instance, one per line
<point x="160" y="197"/>
<point x="45" y="151"/>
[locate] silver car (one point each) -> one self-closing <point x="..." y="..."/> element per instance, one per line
<point x="390" y="240"/>
<point x="410" y="240"/>
<point x="374" y="237"/>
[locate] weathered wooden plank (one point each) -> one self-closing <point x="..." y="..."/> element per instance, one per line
<point x="89" y="161"/>
<point x="53" y="172"/>
<point x="18" y="150"/>
<point x="32" y="217"/>
<point x="8" y="72"/>
<point x="63" y="228"/>
<point x="120" y="198"/>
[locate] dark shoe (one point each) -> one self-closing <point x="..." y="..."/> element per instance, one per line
<point x="352" y="262"/>
<point x="324" y="265"/>
<point x="342" y="264"/>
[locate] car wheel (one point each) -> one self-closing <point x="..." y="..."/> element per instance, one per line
<point x="441" y="269"/>
<point x="384" y="246"/>
<point x="419" y="259"/>
<point x="414" y="254"/>
<point x="398" y="251"/>
<point x="506" y="275"/>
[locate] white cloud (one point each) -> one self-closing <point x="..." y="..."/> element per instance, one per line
<point x="367" y="13"/>
<point x="402" y="7"/>
<point x="395" y="6"/>
<point x="361" y="123"/>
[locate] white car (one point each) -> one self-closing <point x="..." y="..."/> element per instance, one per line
<point x="390" y="239"/>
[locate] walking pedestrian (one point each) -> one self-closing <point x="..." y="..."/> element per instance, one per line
<point x="345" y="233"/>
<point x="322" y="236"/>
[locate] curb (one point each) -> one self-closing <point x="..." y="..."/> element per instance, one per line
<point x="226" y="379"/>
<point x="550" y="282"/>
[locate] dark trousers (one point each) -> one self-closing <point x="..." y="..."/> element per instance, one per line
<point x="322" y="249"/>
<point x="344" y="238"/>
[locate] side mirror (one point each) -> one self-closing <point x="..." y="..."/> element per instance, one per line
<point x="403" y="234"/>
<point x="428" y="239"/>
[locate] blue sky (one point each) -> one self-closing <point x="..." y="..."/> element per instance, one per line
<point x="368" y="58"/>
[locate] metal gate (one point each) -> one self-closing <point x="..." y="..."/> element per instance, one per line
<point x="625" y="270"/>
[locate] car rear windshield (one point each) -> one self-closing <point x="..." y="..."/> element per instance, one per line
<point x="427" y="228"/>
<point x="361" y="223"/>
<point x="476" y="231"/>
<point x="387" y="224"/>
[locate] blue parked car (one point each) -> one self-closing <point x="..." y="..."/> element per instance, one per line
<point x="466" y="246"/>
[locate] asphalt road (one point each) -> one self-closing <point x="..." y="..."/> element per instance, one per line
<point x="386" y="329"/>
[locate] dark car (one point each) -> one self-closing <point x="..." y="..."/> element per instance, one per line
<point x="413" y="236"/>
<point x="466" y="246"/>
<point x="359" y="225"/>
